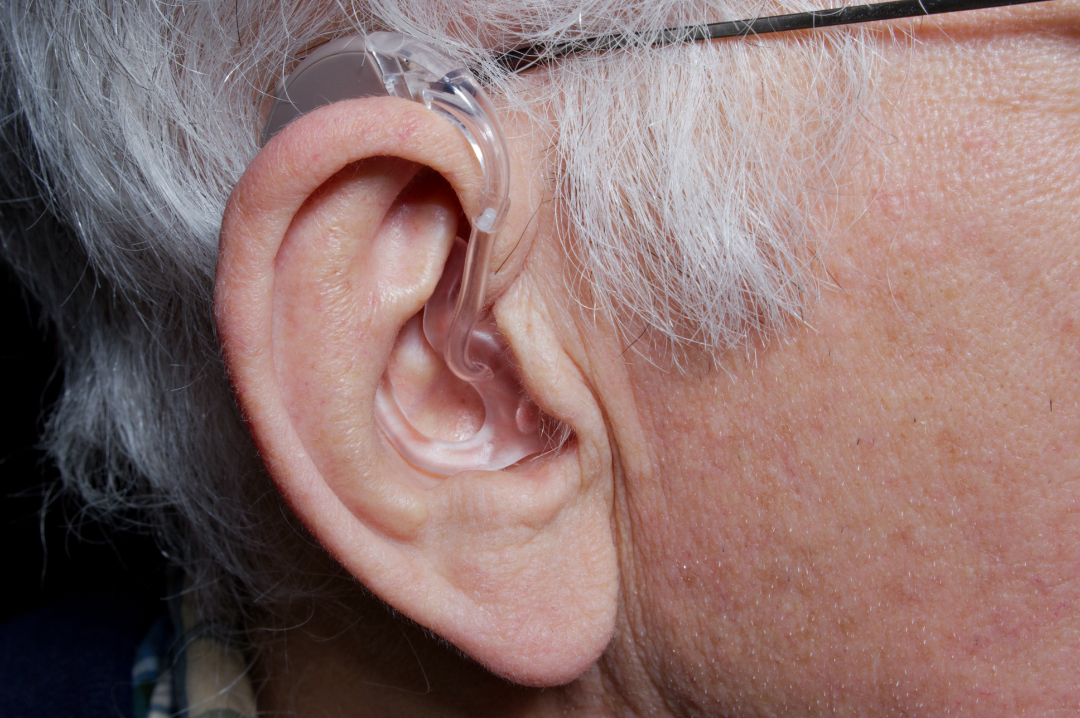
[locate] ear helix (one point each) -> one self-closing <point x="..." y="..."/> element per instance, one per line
<point x="390" y="64"/>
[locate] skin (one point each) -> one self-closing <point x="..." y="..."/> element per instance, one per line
<point x="880" y="513"/>
<point x="877" y="513"/>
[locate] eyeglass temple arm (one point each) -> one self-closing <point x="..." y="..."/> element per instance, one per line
<point x="536" y="55"/>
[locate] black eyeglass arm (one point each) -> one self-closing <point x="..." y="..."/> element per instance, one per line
<point x="529" y="57"/>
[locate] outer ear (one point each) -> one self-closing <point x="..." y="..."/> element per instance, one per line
<point x="333" y="240"/>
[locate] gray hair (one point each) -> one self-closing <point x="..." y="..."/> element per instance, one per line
<point x="127" y="124"/>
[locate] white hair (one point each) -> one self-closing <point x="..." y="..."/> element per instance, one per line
<point x="690" y="179"/>
<point x="687" y="179"/>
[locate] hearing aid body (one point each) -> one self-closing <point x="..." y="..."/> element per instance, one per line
<point x="389" y="64"/>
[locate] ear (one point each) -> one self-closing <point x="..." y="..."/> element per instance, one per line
<point x="332" y="242"/>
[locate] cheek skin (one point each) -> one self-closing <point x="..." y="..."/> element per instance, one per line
<point x="880" y="513"/>
<point x="862" y="508"/>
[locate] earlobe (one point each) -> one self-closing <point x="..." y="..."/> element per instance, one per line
<point x="332" y="242"/>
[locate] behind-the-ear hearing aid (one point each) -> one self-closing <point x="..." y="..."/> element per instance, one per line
<point x="389" y="64"/>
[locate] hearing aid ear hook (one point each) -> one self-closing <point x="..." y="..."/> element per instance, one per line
<point x="389" y="64"/>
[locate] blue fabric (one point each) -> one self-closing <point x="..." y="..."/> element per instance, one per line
<point x="73" y="659"/>
<point x="170" y="679"/>
<point x="151" y="669"/>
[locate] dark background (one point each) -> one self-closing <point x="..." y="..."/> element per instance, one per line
<point x="44" y="562"/>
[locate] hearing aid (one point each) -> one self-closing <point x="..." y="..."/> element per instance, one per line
<point x="384" y="64"/>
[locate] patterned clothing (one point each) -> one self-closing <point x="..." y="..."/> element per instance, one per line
<point x="194" y="672"/>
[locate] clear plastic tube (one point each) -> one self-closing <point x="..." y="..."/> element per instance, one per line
<point x="413" y="70"/>
<point x="510" y="431"/>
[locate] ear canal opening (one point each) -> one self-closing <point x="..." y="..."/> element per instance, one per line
<point x="511" y="427"/>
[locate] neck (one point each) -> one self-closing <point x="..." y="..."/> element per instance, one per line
<point x="376" y="664"/>
<point x="372" y="662"/>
